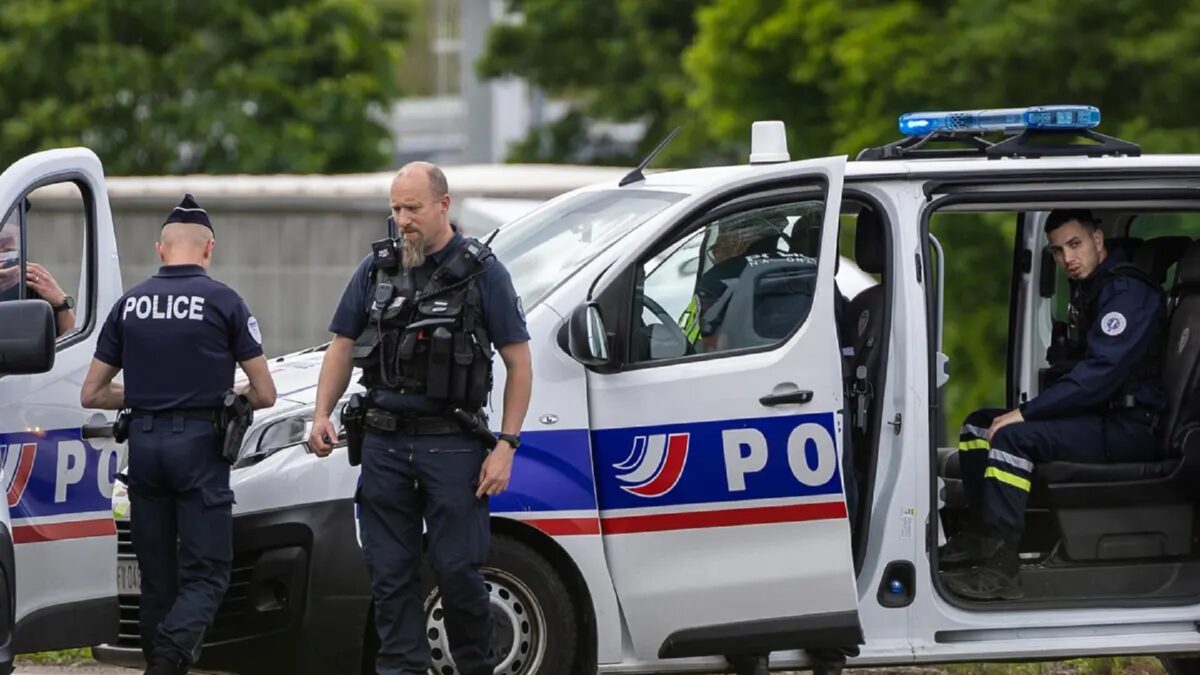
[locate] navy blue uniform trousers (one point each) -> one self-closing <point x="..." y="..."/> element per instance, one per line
<point x="406" y="479"/>
<point x="997" y="474"/>
<point x="182" y="519"/>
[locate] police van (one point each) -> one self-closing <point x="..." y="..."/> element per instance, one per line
<point x="58" y="540"/>
<point x="767" y="471"/>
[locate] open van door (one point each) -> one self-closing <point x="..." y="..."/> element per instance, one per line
<point x="716" y="419"/>
<point x="58" y="546"/>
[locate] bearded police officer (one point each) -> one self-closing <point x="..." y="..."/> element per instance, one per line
<point x="178" y="336"/>
<point x="1102" y="408"/>
<point x="422" y="324"/>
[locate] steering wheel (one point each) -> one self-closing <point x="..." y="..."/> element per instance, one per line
<point x="667" y="320"/>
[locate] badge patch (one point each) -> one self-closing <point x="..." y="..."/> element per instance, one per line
<point x="1183" y="339"/>
<point x="1113" y="323"/>
<point x="252" y="326"/>
<point x="520" y="308"/>
<point x="862" y="321"/>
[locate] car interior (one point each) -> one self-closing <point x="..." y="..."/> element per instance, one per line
<point x="1120" y="534"/>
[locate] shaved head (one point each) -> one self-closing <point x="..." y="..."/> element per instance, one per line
<point x="436" y="180"/>
<point x="185" y="234"/>
<point x="185" y="243"/>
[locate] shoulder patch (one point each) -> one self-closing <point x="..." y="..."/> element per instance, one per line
<point x="520" y="308"/>
<point x="1113" y="323"/>
<point x="252" y="326"/>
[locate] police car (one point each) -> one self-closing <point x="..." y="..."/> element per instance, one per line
<point x="683" y="490"/>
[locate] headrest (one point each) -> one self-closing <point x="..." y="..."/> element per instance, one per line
<point x="1155" y="256"/>
<point x="1128" y="245"/>
<point x="1188" y="273"/>
<point x="869" y="243"/>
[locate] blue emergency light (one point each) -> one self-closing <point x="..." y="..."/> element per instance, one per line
<point x="1006" y="120"/>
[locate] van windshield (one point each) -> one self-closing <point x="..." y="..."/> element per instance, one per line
<point x="550" y="244"/>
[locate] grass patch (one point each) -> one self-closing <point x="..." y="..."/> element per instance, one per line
<point x="1118" y="665"/>
<point x="66" y="657"/>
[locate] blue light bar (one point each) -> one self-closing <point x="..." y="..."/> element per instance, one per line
<point x="1007" y="120"/>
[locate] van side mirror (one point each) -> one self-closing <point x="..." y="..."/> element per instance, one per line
<point x="587" y="340"/>
<point x="27" y="337"/>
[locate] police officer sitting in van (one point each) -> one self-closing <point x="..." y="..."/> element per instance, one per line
<point x="39" y="282"/>
<point x="735" y="243"/>
<point x="422" y="329"/>
<point x="179" y="337"/>
<point x="1102" y="410"/>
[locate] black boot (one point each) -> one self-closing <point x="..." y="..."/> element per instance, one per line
<point x="961" y="549"/>
<point x="750" y="664"/>
<point x="164" y="666"/>
<point x="967" y="546"/>
<point x="996" y="579"/>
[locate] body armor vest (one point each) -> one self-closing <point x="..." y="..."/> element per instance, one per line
<point x="427" y="336"/>
<point x="1081" y="314"/>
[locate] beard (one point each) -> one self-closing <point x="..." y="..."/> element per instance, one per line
<point x="412" y="251"/>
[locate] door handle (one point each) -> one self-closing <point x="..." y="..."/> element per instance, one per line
<point x="789" y="397"/>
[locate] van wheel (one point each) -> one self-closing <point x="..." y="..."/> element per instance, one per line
<point x="1181" y="665"/>
<point x="534" y="618"/>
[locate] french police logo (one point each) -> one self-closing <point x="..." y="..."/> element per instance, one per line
<point x="252" y="326"/>
<point x="520" y="308"/>
<point x="862" y="320"/>
<point x="1183" y="339"/>
<point x="1113" y="323"/>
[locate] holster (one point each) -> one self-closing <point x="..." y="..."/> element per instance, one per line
<point x="354" y="415"/>
<point x="236" y="418"/>
<point x="121" y="425"/>
<point x="476" y="425"/>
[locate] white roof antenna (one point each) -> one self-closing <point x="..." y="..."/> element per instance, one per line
<point x="768" y="142"/>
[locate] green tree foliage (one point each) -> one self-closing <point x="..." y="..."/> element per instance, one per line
<point x="618" y="60"/>
<point x="222" y="86"/>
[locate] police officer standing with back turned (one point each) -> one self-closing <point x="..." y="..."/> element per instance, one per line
<point x="421" y="323"/>
<point x="179" y="336"/>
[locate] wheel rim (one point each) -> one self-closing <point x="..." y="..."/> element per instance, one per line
<point x="519" y="627"/>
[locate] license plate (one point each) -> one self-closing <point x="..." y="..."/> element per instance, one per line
<point x="129" y="578"/>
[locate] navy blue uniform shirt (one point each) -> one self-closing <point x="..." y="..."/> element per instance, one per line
<point x="178" y="336"/>
<point x="1129" y="318"/>
<point x="503" y="316"/>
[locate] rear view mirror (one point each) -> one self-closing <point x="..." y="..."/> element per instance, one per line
<point x="27" y="337"/>
<point x="587" y="340"/>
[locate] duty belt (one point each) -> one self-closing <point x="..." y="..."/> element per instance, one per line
<point x="206" y="414"/>
<point x="388" y="422"/>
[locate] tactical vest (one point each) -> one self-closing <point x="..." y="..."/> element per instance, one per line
<point x="1081" y="314"/>
<point x="430" y="341"/>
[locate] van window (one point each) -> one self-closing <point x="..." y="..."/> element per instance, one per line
<point x="548" y="245"/>
<point x="1151" y="225"/>
<point x="742" y="281"/>
<point x="48" y="233"/>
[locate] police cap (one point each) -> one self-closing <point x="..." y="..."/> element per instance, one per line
<point x="189" y="211"/>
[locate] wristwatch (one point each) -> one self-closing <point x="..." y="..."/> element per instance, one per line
<point x="67" y="303"/>
<point x="512" y="439"/>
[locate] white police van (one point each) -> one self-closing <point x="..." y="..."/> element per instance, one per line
<point x="58" y="544"/>
<point x="681" y="493"/>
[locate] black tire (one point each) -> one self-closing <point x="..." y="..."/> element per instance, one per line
<point x="522" y="584"/>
